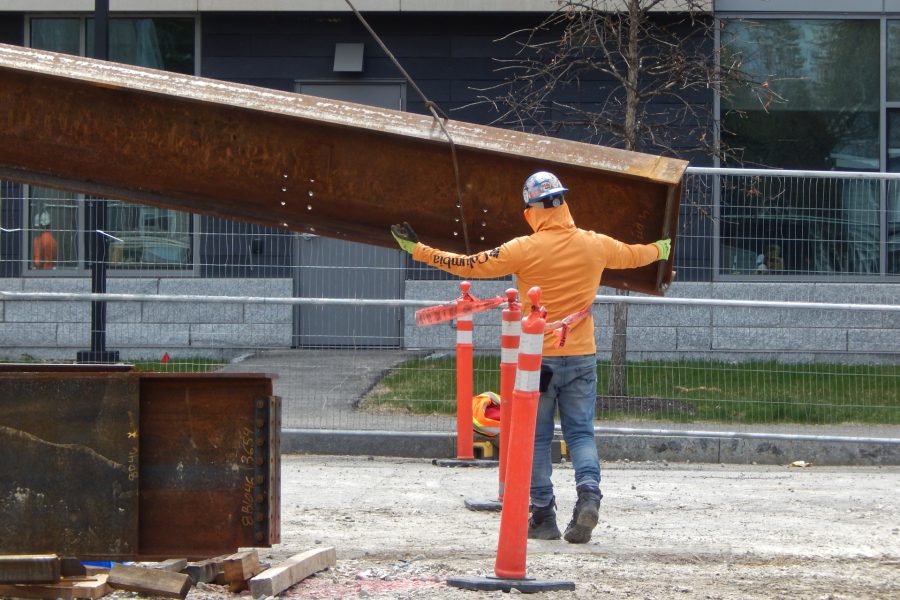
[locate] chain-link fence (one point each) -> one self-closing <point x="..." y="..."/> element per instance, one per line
<point x="798" y="340"/>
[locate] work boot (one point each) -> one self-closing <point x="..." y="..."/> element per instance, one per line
<point x="584" y="517"/>
<point x="542" y="524"/>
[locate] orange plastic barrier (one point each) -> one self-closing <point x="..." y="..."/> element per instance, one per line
<point x="510" y="330"/>
<point x="464" y="389"/>
<point x="513" y="543"/>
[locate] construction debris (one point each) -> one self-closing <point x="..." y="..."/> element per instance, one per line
<point x="149" y="581"/>
<point x="40" y="577"/>
<point x="298" y="567"/>
<point x="29" y="568"/>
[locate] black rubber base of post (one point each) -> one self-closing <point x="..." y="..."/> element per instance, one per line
<point x="463" y="462"/>
<point x="495" y="505"/>
<point x="526" y="586"/>
<point x="101" y="356"/>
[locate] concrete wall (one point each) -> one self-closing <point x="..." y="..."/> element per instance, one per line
<point x="717" y="333"/>
<point x="56" y="330"/>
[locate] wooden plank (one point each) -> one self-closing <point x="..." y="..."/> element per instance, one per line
<point x="29" y="568"/>
<point x="97" y="588"/>
<point x="175" y="565"/>
<point x="239" y="567"/>
<point x="48" y="592"/>
<point x="149" y="581"/>
<point x="275" y="580"/>
<point x="205" y="570"/>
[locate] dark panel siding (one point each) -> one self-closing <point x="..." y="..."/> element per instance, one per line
<point x="235" y="249"/>
<point x="277" y="50"/>
<point x="12" y="29"/>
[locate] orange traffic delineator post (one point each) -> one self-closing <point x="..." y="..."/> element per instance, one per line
<point x="510" y="330"/>
<point x="465" y="452"/>
<point x="509" y="567"/>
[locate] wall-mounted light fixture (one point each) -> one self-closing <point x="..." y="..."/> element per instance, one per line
<point x="348" y="58"/>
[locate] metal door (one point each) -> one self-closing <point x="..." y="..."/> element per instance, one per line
<point x="330" y="268"/>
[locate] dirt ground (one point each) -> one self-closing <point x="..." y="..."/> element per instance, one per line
<point x="400" y="529"/>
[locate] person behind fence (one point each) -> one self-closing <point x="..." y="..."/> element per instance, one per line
<point x="566" y="262"/>
<point x="45" y="245"/>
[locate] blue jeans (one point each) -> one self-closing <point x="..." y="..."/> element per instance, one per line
<point x="573" y="390"/>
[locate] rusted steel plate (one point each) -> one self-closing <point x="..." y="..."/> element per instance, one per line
<point x="68" y="464"/>
<point x="210" y="464"/>
<point x="309" y="164"/>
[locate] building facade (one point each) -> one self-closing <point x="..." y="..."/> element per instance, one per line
<point x="838" y="72"/>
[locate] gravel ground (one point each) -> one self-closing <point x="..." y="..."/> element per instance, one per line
<point x="400" y="529"/>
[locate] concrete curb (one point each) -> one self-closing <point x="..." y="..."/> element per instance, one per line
<point x="611" y="447"/>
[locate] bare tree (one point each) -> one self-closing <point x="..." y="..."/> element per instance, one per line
<point x="634" y="74"/>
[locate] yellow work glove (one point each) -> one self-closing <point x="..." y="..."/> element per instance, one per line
<point x="405" y="236"/>
<point x="664" y="247"/>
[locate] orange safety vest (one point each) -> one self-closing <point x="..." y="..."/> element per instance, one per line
<point x="45" y="247"/>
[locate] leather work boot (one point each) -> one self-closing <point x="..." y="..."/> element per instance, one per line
<point x="584" y="517"/>
<point x="542" y="524"/>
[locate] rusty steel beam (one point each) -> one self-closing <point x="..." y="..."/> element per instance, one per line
<point x="120" y="465"/>
<point x="310" y="164"/>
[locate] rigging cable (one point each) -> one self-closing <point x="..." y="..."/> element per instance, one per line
<point x="434" y="109"/>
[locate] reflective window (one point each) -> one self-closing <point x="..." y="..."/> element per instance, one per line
<point x="828" y="74"/>
<point x="58" y="35"/>
<point x="147" y="237"/>
<point x="158" y="43"/>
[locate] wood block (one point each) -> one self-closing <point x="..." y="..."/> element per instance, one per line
<point x="90" y="570"/>
<point x="151" y="581"/>
<point x="275" y="580"/>
<point x="71" y="567"/>
<point x="241" y="566"/>
<point x="203" y="570"/>
<point x="29" y="568"/>
<point x="175" y="565"/>
<point x="96" y="588"/>
<point x="40" y="591"/>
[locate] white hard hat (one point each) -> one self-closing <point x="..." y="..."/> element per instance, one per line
<point x="543" y="189"/>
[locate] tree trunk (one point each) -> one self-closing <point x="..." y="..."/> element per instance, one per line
<point x="618" y="370"/>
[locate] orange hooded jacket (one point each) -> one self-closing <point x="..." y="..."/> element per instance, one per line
<point x="564" y="261"/>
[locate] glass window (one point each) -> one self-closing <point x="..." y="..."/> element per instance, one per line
<point x="828" y="73"/>
<point x="158" y="43"/>
<point x="148" y="237"/>
<point x="53" y="235"/>
<point x="57" y="35"/>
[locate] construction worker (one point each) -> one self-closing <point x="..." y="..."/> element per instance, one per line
<point x="566" y="262"/>
<point x="45" y="245"/>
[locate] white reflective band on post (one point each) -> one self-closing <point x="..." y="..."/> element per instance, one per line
<point x="528" y="381"/>
<point x="511" y="328"/>
<point x="531" y="343"/>
<point x="464" y="317"/>
<point x="463" y="337"/>
<point x="509" y="355"/>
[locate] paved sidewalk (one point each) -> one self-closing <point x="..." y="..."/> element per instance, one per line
<point x="321" y="389"/>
